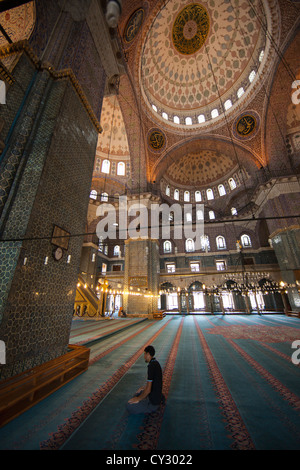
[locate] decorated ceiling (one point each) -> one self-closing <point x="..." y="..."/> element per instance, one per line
<point x="112" y="142"/>
<point x="199" y="169"/>
<point x="195" y="53"/>
<point x="197" y="68"/>
<point x="194" y="70"/>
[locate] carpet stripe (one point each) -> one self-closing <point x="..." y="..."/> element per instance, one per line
<point x="291" y="398"/>
<point x="65" y="430"/>
<point x="150" y="429"/>
<point x="101" y="335"/>
<point x="112" y="348"/>
<point x="235" y="424"/>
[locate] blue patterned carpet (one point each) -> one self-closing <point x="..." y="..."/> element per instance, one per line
<point x="229" y="383"/>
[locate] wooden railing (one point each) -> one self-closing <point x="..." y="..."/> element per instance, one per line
<point x="21" y="392"/>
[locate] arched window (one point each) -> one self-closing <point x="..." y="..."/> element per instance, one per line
<point x="246" y="241"/>
<point x="221" y="243"/>
<point x="198" y="197"/>
<point x="167" y="246"/>
<point x="240" y="92"/>
<point x="214" y="113"/>
<point x="93" y="194"/>
<point x="227" y="104"/>
<point x="189" y="245"/>
<point x="187" y="196"/>
<point x="121" y="169"/>
<point x="252" y="76"/>
<point x="165" y="116"/>
<point x="200" y="214"/>
<point x="188" y="216"/>
<point x="201" y="118"/>
<point x="221" y="190"/>
<point x="105" y="166"/>
<point x="209" y="194"/>
<point x="233" y="211"/>
<point x="205" y="245"/>
<point x="154" y="108"/>
<point x="116" y="250"/>
<point x="168" y="190"/>
<point x="176" y="194"/>
<point x="232" y="183"/>
<point x="261" y="55"/>
<point x="176" y="120"/>
<point x="188" y="121"/>
<point x="211" y="215"/>
<point x="104" y="197"/>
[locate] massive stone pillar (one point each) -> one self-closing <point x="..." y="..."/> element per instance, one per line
<point x="141" y="277"/>
<point x="286" y="244"/>
<point x="51" y="128"/>
<point x="281" y="203"/>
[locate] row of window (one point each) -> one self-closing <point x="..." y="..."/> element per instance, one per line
<point x="105" y="168"/>
<point x="189" y="245"/>
<point x="215" y="112"/>
<point x="195" y="266"/>
<point x="200" y="216"/>
<point x="205" y="243"/>
<point x="103" y="196"/>
<point x="171" y="266"/>
<point x="198" y="196"/>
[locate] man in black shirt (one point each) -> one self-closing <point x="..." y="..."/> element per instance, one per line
<point x="148" y="398"/>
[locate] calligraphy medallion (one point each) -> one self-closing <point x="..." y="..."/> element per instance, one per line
<point x="246" y="125"/>
<point x="190" y="29"/>
<point x="156" y="140"/>
<point x="133" y="25"/>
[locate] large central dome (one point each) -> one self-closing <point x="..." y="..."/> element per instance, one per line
<point x="199" y="54"/>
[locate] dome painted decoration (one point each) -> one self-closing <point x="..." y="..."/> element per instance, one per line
<point x="156" y="140"/>
<point x="190" y="29"/>
<point x="133" y="25"/>
<point x="193" y="55"/>
<point x="199" y="168"/>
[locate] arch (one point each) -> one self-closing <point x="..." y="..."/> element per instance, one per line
<point x="221" y="242"/>
<point x="121" y="169"/>
<point x="222" y="190"/>
<point x="105" y="167"/>
<point x="186" y="196"/>
<point x="209" y="194"/>
<point x="232" y="183"/>
<point x="104" y="197"/>
<point x="189" y="245"/>
<point x="196" y="286"/>
<point x="246" y="240"/>
<point x="247" y="158"/>
<point x="198" y="196"/>
<point x="117" y="250"/>
<point x="167" y="246"/>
